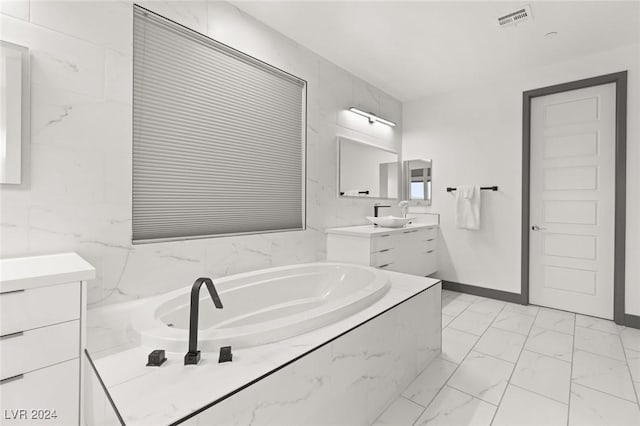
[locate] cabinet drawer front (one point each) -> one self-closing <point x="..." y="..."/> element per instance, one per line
<point x="52" y="388"/>
<point x="382" y="242"/>
<point x="24" y="352"/>
<point x="419" y="234"/>
<point x="26" y="309"/>
<point x="412" y="233"/>
<point x="430" y="263"/>
<point x="382" y="258"/>
<point x="430" y="233"/>
<point x="429" y="245"/>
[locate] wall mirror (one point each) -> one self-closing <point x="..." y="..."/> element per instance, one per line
<point x="14" y="112"/>
<point x="417" y="181"/>
<point x="366" y="170"/>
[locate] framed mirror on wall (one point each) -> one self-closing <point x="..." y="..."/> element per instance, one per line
<point x="417" y="182"/>
<point x="14" y="113"/>
<point x="367" y="171"/>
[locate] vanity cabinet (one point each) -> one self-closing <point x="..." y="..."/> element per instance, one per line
<point x="41" y="338"/>
<point x="411" y="250"/>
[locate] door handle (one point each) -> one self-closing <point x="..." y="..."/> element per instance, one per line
<point x="537" y="228"/>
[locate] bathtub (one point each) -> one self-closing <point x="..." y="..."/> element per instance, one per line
<point x="261" y="307"/>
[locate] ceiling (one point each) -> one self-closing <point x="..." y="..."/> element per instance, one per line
<point x="413" y="49"/>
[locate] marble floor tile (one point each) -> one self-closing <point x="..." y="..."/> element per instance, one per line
<point x="482" y="376"/>
<point x="515" y="321"/>
<point x="549" y="342"/>
<point x="448" y="294"/>
<point x="555" y="320"/>
<point x="594" y="382"/>
<point x="523" y="408"/>
<point x="401" y="412"/>
<point x="430" y="381"/>
<point x="630" y="338"/>
<point x="589" y="407"/>
<point x="544" y="375"/>
<point x="530" y="310"/>
<point x="472" y="322"/>
<point x="501" y="344"/>
<point x="603" y="374"/>
<point x="453" y="307"/>
<point x="467" y="298"/>
<point x="446" y="319"/>
<point x="599" y="342"/>
<point x="596" y="324"/>
<point x="456" y="344"/>
<point x="454" y="408"/>
<point x="633" y="359"/>
<point x="487" y="306"/>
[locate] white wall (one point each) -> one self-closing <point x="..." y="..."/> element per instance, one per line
<point x="79" y="197"/>
<point x="474" y="136"/>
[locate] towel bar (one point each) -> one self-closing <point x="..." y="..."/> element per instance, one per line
<point x="487" y="188"/>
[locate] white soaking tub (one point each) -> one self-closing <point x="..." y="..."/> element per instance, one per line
<point x="261" y="307"/>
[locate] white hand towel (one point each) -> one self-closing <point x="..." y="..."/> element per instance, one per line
<point x="468" y="207"/>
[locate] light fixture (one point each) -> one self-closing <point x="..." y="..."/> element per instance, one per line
<point x="372" y="117"/>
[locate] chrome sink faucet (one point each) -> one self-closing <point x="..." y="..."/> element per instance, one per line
<point x="193" y="356"/>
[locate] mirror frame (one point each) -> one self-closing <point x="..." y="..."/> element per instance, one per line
<point x="366" y="197"/>
<point x="25" y="127"/>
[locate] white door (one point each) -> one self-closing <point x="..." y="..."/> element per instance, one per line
<point x="571" y="243"/>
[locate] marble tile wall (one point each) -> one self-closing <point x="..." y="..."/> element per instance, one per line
<point x="349" y="381"/>
<point x="79" y="195"/>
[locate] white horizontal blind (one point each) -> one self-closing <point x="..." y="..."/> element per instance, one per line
<point x="218" y="138"/>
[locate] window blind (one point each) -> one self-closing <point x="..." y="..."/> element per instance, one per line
<point x="218" y="138"/>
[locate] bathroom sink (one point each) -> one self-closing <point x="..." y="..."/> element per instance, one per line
<point x="390" y="221"/>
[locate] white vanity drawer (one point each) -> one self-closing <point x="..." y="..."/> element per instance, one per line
<point x="41" y="392"/>
<point x="430" y="263"/>
<point x="429" y="245"/>
<point x="384" y="257"/>
<point x="412" y="233"/>
<point x="382" y="242"/>
<point x="430" y="233"/>
<point x="26" y="309"/>
<point x="41" y="347"/>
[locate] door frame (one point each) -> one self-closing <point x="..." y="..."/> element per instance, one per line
<point x="620" y="80"/>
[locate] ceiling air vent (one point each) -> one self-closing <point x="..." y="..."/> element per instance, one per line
<point x="515" y="18"/>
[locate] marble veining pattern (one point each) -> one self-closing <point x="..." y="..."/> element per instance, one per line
<point x="537" y="378"/>
<point x="79" y="193"/>
<point x="362" y="372"/>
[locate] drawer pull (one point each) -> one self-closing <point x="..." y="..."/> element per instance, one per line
<point x="431" y="239"/>
<point x="385" y="265"/>
<point x="430" y="251"/>
<point x="11" y="379"/>
<point x="11" y="335"/>
<point x="409" y="232"/>
<point x="384" y="250"/>
<point x="13" y="291"/>
<point x="386" y="235"/>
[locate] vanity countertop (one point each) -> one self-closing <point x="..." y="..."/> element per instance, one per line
<point x="37" y="271"/>
<point x="371" y="230"/>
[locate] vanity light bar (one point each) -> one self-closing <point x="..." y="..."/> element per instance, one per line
<point x="372" y="117"/>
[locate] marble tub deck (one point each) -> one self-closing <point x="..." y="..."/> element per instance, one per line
<point x="506" y="365"/>
<point x="164" y="395"/>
